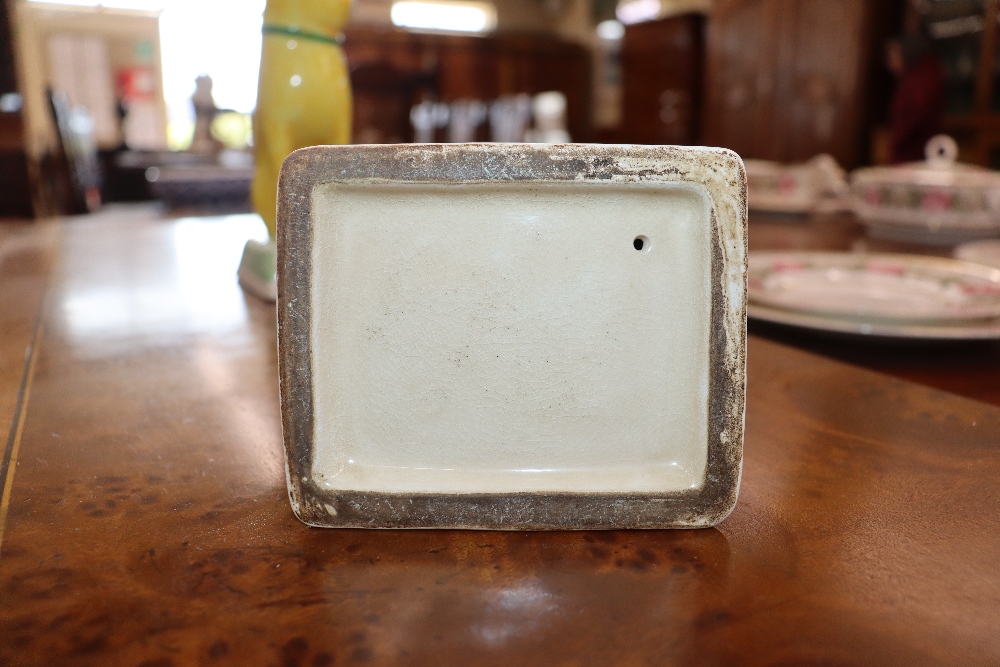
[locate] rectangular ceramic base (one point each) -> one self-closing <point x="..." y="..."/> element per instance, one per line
<point x="503" y="336"/>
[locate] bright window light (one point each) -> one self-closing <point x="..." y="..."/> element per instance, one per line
<point x="192" y="43"/>
<point x="152" y="5"/>
<point x="636" y="11"/>
<point x="450" y="16"/>
<point x="610" y="30"/>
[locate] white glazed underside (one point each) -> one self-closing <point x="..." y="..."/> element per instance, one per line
<point x="508" y="337"/>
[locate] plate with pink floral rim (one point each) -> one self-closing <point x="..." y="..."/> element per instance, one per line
<point x="874" y="287"/>
<point x="988" y="329"/>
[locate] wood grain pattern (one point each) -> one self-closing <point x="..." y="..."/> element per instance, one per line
<point x="25" y="263"/>
<point x="149" y="522"/>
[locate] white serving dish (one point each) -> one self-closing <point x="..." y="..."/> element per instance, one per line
<point x="470" y="335"/>
<point x="938" y="201"/>
<point x="877" y="302"/>
<point x="775" y="187"/>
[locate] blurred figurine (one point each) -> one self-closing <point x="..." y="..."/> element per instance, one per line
<point x="918" y="102"/>
<point x="426" y="118"/>
<point x="549" y="111"/>
<point x="303" y="99"/>
<point x="509" y="117"/>
<point x="466" y="117"/>
<point x="204" y="113"/>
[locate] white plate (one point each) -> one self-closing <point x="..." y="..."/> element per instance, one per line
<point x="981" y="252"/>
<point x="980" y="330"/>
<point x="893" y="288"/>
<point x="940" y="201"/>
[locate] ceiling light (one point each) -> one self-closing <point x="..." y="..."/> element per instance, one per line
<point x="610" y="30"/>
<point x="449" y="16"/>
<point x="636" y="11"/>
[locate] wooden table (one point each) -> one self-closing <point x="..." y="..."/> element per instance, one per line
<point x="146" y="521"/>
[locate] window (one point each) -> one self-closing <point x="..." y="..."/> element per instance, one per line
<point x="220" y="38"/>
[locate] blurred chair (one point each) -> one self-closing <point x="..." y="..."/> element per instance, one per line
<point x="77" y="169"/>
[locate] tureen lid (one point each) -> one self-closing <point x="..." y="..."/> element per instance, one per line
<point x="941" y="169"/>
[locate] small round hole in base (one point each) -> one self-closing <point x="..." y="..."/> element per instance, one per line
<point x="640" y="243"/>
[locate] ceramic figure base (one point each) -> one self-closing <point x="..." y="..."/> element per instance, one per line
<point x="512" y="336"/>
<point x="257" y="270"/>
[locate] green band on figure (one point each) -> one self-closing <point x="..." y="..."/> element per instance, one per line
<point x="295" y="31"/>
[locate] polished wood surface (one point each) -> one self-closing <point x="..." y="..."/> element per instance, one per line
<point x="25" y="264"/>
<point x="148" y="522"/>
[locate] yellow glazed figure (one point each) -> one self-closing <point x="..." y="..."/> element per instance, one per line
<point x="303" y="99"/>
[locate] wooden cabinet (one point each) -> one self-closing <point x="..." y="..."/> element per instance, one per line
<point x="479" y="68"/>
<point x="15" y="193"/>
<point x="965" y="41"/>
<point x="661" y="65"/>
<point x="787" y="79"/>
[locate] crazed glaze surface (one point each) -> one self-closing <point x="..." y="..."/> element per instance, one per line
<point x="509" y="337"/>
<point x="318" y="185"/>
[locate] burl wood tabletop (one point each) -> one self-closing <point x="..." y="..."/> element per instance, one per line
<point x="146" y="520"/>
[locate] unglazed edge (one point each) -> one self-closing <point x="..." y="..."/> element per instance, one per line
<point x="718" y="170"/>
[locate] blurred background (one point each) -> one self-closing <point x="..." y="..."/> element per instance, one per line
<point x="100" y="101"/>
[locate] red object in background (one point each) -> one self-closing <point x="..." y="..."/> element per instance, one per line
<point x="136" y="84"/>
<point x="916" y="110"/>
